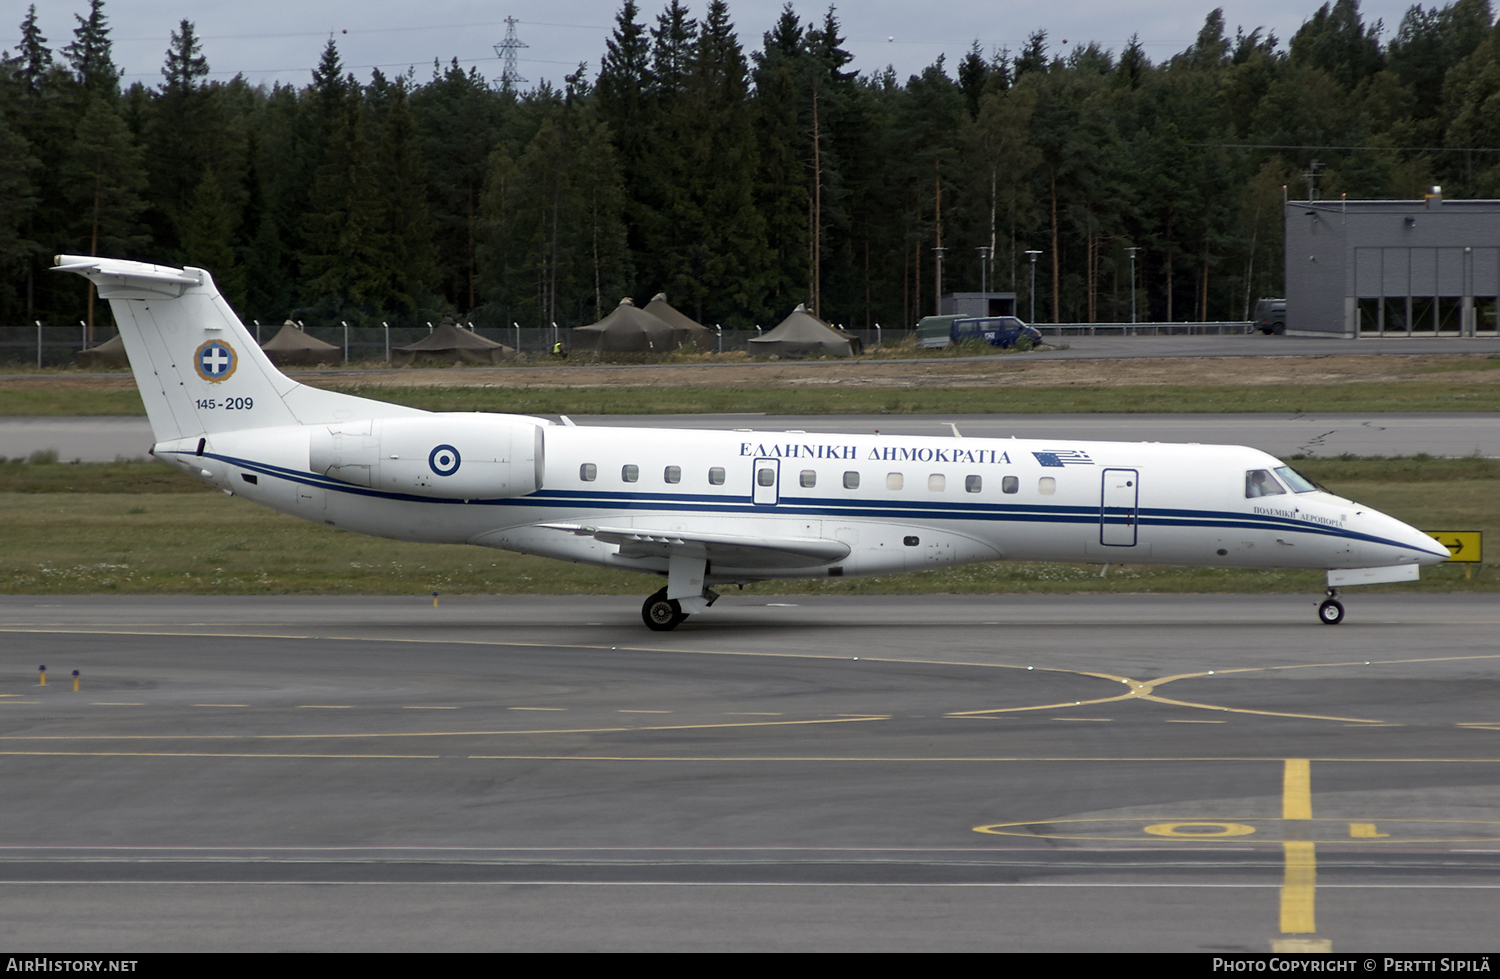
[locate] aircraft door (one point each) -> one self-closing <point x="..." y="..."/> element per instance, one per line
<point x="767" y="482"/>
<point x="1119" y="507"/>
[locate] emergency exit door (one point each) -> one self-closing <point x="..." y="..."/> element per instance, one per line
<point x="1119" y="507"/>
<point x="767" y="490"/>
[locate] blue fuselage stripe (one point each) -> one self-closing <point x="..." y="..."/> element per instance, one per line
<point x="726" y="505"/>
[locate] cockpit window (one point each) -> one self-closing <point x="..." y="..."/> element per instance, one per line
<point x="1298" y="482"/>
<point x="1260" y="482"/>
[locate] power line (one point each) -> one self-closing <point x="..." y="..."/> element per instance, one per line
<point x="1392" y="149"/>
<point x="365" y="30"/>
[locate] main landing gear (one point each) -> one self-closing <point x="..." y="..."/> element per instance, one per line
<point x="662" y="614"/>
<point x="1331" y="612"/>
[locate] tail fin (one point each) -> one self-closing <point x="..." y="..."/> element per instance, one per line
<point x="199" y="371"/>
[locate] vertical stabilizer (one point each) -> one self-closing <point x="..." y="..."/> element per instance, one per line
<point x="198" y="369"/>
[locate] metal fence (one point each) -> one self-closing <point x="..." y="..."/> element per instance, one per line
<point x="1228" y="328"/>
<point x="57" y="345"/>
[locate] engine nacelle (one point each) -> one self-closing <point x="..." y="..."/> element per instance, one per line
<point x="466" y="456"/>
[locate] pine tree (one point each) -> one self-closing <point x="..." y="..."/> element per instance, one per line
<point x="18" y="200"/>
<point x="672" y="44"/>
<point x="104" y="177"/>
<point x="207" y="227"/>
<point x="720" y="250"/>
<point x="782" y="189"/>
<point x="90" y="53"/>
<point x="186" y="65"/>
<point x="624" y="94"/>
<point x="345" y="247"/>
<point x="401" y="178"/>
<point x="461" y="120"/>
<point x="187" y="134"/>
<point x="33" y="58"/>
<point x="1336" y="40"/>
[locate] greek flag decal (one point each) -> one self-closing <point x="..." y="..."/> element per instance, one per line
<point x="1058" y="458"/>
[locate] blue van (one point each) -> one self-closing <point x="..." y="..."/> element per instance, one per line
<point x="999" y="331"/>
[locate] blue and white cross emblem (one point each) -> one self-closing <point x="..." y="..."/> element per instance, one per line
<point x="215" y="361"/>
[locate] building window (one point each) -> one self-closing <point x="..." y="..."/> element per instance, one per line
<point x="851" y="480"/>
<point x="588" y="472"/>
<point x="894" y="481"/>
<point x="1484" y="314"/>
<point x="673" y="474"/>
<point x="716" y="476"/>
<point x="809" y="479"/>
<point x="973" y="484"/>
<point x="630" y="473"/>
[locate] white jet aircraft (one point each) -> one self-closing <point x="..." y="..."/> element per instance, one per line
<point x="705" y="508"/>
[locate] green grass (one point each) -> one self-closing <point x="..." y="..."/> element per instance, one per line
<point x="977" y="400"/>
<point x="142" y="528"/>
<point x="994" y="398"/>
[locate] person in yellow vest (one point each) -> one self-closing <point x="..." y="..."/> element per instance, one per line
<point x="557" y="349"/>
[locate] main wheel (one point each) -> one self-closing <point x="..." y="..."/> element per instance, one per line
<point x="1331" y="612"/>
<point x="660" y="613"/>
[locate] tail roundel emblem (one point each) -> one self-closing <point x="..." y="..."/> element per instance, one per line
<point x="215" y="361"/>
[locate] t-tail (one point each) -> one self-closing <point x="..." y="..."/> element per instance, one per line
<point x="199" y="371"/>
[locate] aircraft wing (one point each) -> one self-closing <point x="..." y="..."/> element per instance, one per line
<point x="725" y="550"/>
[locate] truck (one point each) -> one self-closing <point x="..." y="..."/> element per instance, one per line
<point x="1270" y="316"/>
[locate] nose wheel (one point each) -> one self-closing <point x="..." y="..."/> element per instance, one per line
<point x="662" y="614"/>
<point x="1331" y="612"/>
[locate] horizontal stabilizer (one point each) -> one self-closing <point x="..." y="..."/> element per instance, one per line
<point x="725" y="550"/>
<point x="119" y="279"/>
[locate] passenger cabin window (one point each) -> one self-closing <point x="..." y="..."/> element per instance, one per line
<point x="973" y="484"/>
<point x="894" y="481"/>
<point x="630" y="473"/>
<point x="809" y="479"/>
<point x="766" y="477"/>
<point x="1260" y="482"/>
<point x="673" y="474"/>
<point x="851" y="480"/>
<point x="1047" y="485"/>
<point x="936" y="483"/>
<point x="588" y="472"/>
<point x="1010" y="484"/>
<point x="716" y="476"/>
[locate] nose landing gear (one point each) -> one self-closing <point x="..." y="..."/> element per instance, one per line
<point x="1331" y="612"/>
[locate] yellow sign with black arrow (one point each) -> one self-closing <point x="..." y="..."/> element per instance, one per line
<point x="1462" y="545"/>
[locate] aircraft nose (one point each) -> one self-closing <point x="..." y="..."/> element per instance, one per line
<point x="1433" y="551"/>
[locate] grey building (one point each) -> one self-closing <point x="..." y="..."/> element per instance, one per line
<point x="978" y="304"/>
<point x="1392" y="268"/>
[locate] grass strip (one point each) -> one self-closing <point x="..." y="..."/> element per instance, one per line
<point x="995" y="398"/>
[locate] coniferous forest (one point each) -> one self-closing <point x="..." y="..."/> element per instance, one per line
<point x="740" y="178"/>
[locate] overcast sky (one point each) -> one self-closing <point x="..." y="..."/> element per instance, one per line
<point x="280" y="40"/>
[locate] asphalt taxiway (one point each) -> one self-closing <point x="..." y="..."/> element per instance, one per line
<point x="1195" y="773"/>
<point x="105" y="439"/>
